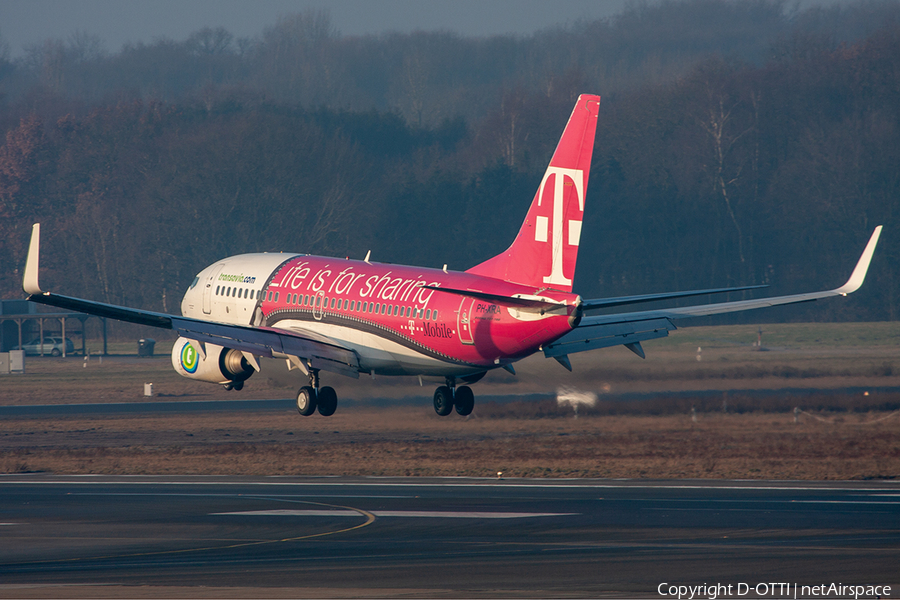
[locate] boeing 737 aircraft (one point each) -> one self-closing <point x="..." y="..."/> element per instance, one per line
<point x="351" y="317"/>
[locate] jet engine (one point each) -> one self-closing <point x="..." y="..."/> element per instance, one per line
<point x="225" y="366"/>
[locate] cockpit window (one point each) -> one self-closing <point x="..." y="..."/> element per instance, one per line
<point x="194" y="283"/>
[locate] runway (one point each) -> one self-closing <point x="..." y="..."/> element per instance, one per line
<point x="444" y="537"/>
<point x="288" y="404"/>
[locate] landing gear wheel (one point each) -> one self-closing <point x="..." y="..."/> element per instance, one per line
<point x="464" y="400"/>
<point x="443" y="400"/>
<point x="306" y="401"/>
<point x="326" y="401"/>
<point x="238" y="386"/>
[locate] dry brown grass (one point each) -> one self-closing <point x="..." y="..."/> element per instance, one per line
<point x="403" y="441"/>
<point x="839" y="436"/>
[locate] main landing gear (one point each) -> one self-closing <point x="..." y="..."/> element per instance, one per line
<point x="311" y="397"/>
<point x="446" y="397"/>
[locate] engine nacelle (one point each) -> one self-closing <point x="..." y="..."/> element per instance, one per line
<point x="221" y="365"/>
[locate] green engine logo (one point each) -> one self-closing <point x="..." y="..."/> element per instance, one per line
<point x="189" y="358"/>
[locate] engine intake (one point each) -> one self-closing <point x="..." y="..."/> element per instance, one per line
<point x="221" y="365"/>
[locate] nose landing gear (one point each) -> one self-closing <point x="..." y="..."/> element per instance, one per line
<point x="311" y="397"/>
<point x="446" y="397"/>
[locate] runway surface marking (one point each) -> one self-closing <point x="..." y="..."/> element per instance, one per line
<point x="428" y="514"/>
<point x="761" y="501"/>
<point x="370" y="518"/>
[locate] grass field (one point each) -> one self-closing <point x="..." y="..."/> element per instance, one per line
<point x="730" y="414"/>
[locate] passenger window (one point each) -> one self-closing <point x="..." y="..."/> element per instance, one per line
<point x="434" y="315"/>
<point x="428" y="315"/>
<point x="217" y="290"/>
<point x="270" y="297"/>
<point x="408" y="309"/>
<point x="318" y="301"/>
<point x="345" y="304"/>
<point x="332" y="302"/>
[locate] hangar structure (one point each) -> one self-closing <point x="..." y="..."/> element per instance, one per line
<point x="20" y="321"/>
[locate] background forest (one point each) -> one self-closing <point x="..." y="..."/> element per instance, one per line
<point x="740" y="142"/>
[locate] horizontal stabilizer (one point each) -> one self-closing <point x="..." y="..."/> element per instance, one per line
<point x="591" y="335"/>
<point x="526" y="304"/>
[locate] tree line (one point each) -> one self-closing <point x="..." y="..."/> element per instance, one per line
<point x="733" y="170"/>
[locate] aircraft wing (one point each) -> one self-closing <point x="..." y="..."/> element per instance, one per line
<point x="320" y="352"/>
<point x="631" y="328"/>
<point x="622" y="300"/>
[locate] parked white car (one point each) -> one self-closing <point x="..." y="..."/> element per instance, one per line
<point x="52" y="346"/>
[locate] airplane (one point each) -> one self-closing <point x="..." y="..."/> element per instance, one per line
<point x="353" y="317"/>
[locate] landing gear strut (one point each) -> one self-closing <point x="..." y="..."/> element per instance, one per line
<point x="446" y="397"/>
<point x="311" y="397"/>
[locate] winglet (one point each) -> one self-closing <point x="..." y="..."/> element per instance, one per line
<point x="30" y="281"/>
<point x="859" y="272"/>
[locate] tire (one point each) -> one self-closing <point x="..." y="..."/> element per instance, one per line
<point x="238" y="386"/>
<point x="55" y="352"/>
<point x="306" y="401"/>
<point x="464" y="400"/>
<point x="443" y="401"/>
<point x="326" y="401"/>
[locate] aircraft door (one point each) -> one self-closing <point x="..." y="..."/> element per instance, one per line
<point x="464" y="323"/>
<point x="208" y="287"/>
<point x="319" y="306"/>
